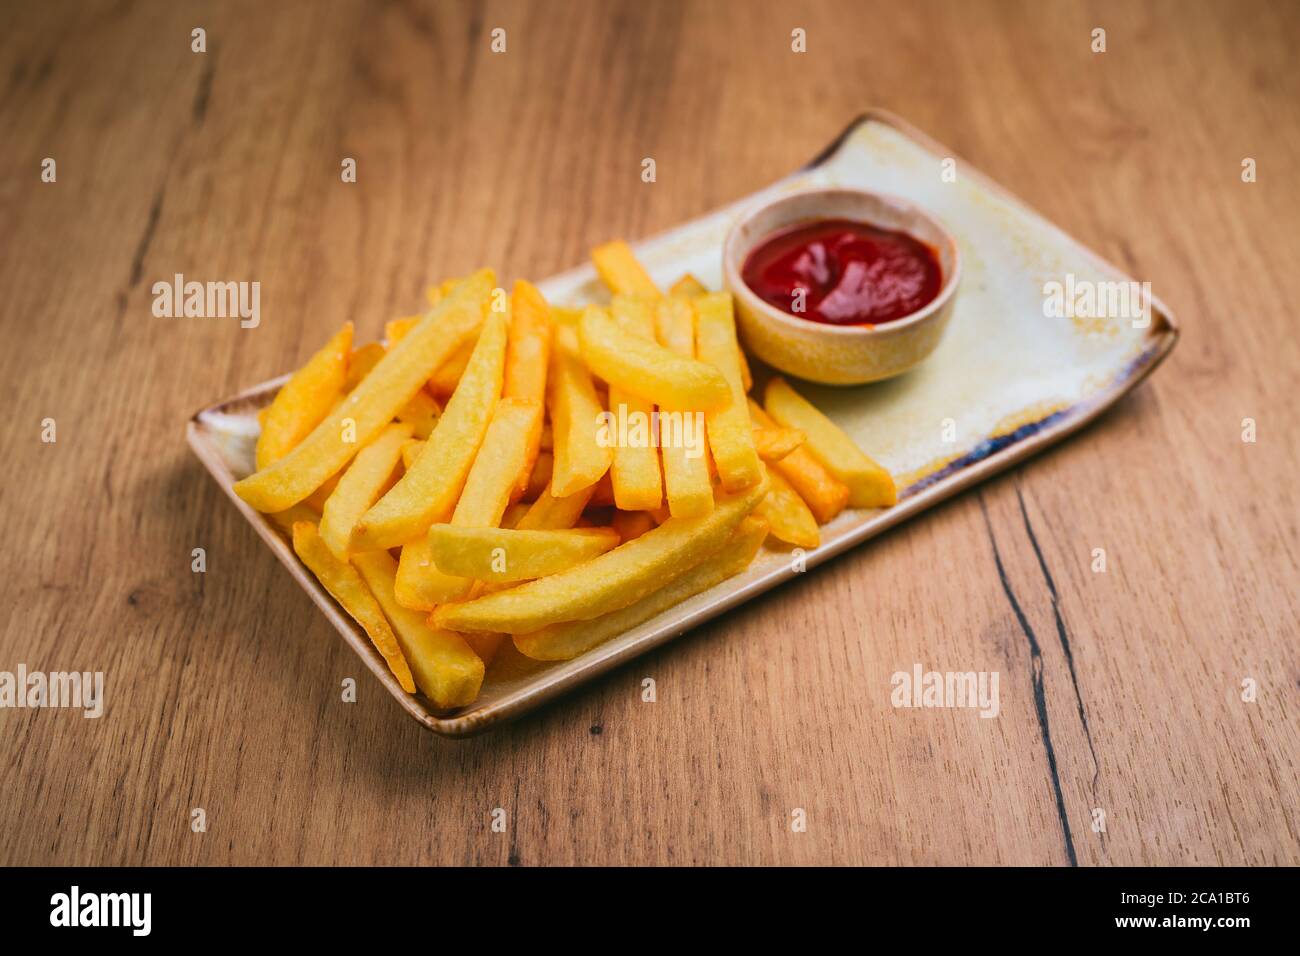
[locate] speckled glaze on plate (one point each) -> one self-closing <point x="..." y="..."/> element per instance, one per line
<point x="1005" y="381"/>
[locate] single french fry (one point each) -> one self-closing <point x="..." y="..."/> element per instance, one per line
<point x="602" y="495"/>
<point x="304" y="401"/>
<point x="614" y="580"/>
<point x="436" y="293"/>
<point x="344" y="583"/>
<point x="485" y="645"/>
<point x="870" y="485"/>
<point x="515" y="423"/>
<point x="730" y="432"/>
<point x="414" y="566"/>
<point x="395" y="329"/>
<point x="631" y="524"/>
<point x="448" y="375"/>
<point x="529" y="349"/>
<point x="432" y="484"/>
<point x="688" y="287"/>
<point x="528" y="355"/>
<point x="635" y="474"/>
<point x="372" y="404"/>
<point x="562" y="642"/>
<point x="361" y="362"/>
<point x="788" y="517"/>
<point x="360" y="486"/>
<point x="483" y="501"/>
<point x="421" y="413"/>
<point x="285" y="520"/>
<point x="686" y="473"/>
<point x="824" y="494"/>
<point x="513" y="513"/>
<point x="575" y="411"/>
<point x="567" y="315"/>
<point x="645" y="368"/>
<point x="445" y="668"/>
<point x="774" y="442"/>
<point x="551" y="513"/>
<point x="316" y="500"/>
<point x="500" y="555"/>
<point x="540" y="478"/>
<point x="410" y="451"/>
<point x="620" y="270"/>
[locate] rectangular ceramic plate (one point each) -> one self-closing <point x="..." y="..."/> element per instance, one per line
<point x="1004" y="383"/>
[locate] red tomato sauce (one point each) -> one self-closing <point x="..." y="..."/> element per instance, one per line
<point x="850" y="273"/>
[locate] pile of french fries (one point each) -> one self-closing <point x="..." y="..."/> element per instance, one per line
<point x="453" y="486"/>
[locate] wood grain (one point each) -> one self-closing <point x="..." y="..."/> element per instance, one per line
<point x="1119" y="691"/>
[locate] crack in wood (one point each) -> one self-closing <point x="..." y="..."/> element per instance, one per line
<point x="1040" y="695"/>
<point x="203" y="93"/>
<point x="146" y="238"/>
<point x="1063" y="636"/>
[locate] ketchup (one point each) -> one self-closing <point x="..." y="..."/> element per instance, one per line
<point x="851" y="273"/>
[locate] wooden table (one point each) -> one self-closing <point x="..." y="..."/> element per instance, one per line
<point x="1121" y="691"/>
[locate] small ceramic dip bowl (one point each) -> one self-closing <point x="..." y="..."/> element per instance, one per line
<point x="824" y="352"/>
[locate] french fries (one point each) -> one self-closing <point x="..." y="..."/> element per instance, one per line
<point x="447" y="377"/>
<point x="825" y="495"/>
<point x="445" y="668"/>
<point x="602" y="496"/>
<point x="773" y="444"/>
<point x="304" y="401"/>
<point x="360" y="485"/>
<point x="485" y="645"/>
<point x="501" y="555"/>
<point x="620" y="270"/>
<point x="428" y="492"/>
<point x="540" y="477"/>
<point x="787" y="515"/>
<point x="731" y="437"/>
<point x="285" y="520"/>
<point x="410" y="451"/>
<point x="579" y="459"/>
<point x="361" y="362"/>
<point x="483" y="501"/>
<point x="635" y="473"/>
<point x="421" y="413"/>
<point x="528" y="353"/>
<point x="564" y="495"/>
<point x="316" y="500"/>
<point x="343" y="582"/>
<point x="372" y="404"/>
<point x="631" y="524"/>
<point x="870" y="486"/>
<point x="645" y="368"/>
<point x="688" y="287"/>
<point x="686" y="474"/>
<point x="549" y="512"/>
<point x="566" y="315"/>
<point x="606" y="583"/>
<point x="395" y="329"/>
<point x="436" y="293"/>
<point x="514" y="513"/>
<point x="562" y="642"/>
<point x="514" y="428"/>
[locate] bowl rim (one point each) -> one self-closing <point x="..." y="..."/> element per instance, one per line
<point x="731" y="265"/>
